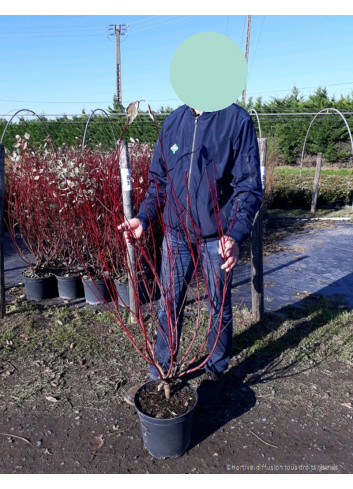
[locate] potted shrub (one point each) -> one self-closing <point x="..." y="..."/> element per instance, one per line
<point x="68" y="273"/>
<point x="82" y="197"/>
<point x="67" y="225"/>
<point x="94" y="187"/>
<point x="31" y="212"/>
<point x="167" y="431"/>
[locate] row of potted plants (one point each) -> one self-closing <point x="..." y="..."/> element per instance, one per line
<point x="48" y="194"/>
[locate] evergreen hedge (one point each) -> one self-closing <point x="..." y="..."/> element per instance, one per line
<point x="285" y="133"/>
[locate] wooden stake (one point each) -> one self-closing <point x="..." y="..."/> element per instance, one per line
<point x="257" y="280"/>
<point x="126" y="188"/>
<point x="316" y="184"/>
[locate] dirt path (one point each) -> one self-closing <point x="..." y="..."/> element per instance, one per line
<point x="279" y="413"/>
<point x="299" y="421"/>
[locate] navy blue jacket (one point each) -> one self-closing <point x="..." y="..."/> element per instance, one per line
<point x="215" y="156"/>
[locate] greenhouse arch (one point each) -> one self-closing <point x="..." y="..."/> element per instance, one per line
<point x="253" y="111"/>
<point x="16" y="113"/>
<point x="311" y="123"/>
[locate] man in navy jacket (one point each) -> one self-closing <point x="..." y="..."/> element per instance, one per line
<point x="206" y="169"/>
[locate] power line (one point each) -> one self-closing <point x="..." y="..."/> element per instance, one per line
<point x="35" y="36"/>
<point x="145" y="114"/>
<point x="47" y="102"/>
<point x="46" y="32"/>
<point x="297" y="114"/>
<point x="70" y="31"/>
<point x="44" y="29"/>
<point x="81" y="102"/>
<point x="161" y="24"/>
<point x="144" y="20"/>
<point x="122" y="114"/>
<point x="301" y="88"/>
<point x="155" y="19"/>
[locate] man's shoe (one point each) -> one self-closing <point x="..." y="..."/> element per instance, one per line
<point x="210" y="389"/>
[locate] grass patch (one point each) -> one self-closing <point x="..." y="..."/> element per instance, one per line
<point x="346" y="212"/>
<point x="310" y="172"/>
<point x="286" y="189"/>
<point x="64" y="352"/>
<point x="318" y="330"/>
<point x="29" y="328"/>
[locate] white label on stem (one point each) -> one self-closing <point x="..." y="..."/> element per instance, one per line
<point x="263" y="175"/>
<point x="125" y="179"/>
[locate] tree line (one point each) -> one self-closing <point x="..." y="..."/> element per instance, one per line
<point x="285" y="133"/>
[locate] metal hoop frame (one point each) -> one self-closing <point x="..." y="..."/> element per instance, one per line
<point x="311" y="123"/>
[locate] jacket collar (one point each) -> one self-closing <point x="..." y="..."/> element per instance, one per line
<point x="204" y="115"/>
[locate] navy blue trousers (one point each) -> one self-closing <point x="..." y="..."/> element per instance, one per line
<point x="176" y="271"/>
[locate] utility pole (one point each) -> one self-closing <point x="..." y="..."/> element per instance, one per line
<point x="119" y="30"/>
<point x="246" y="53"/>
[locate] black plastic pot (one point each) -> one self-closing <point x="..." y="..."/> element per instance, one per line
<point x="166" y="438"/>
<point x="70" y="287"/>
<point x="123" y="293"/>
<point x="96" y="291"/>
<point x="38" y="289"/>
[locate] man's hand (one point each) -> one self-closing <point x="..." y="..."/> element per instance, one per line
<point x="132" y="230"/>
<point x="229" y="250"/>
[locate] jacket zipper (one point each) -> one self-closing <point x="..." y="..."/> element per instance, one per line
<point x="191" y="161"/>
<point x="192" y="151"/>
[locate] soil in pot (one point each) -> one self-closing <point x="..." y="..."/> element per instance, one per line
<point x="166" y="424"/>
<point x="33" y="272"/>
<point x="153" y="402"/>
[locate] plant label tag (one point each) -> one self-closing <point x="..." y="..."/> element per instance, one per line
<point x="126" y="179"/>
<point x="263" y="175"/>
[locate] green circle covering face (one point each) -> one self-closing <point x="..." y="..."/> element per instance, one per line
<point x="208" y="71"/>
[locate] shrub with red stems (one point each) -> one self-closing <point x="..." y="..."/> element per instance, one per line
<point x="67" y="205"/>
<point x="45" y="194"/>
<point x="192" y="350"/>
